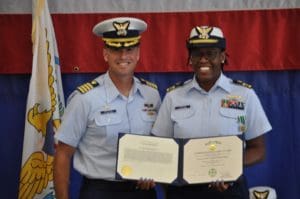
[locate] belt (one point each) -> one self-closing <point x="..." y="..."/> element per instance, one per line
<point x="109" y="185"/>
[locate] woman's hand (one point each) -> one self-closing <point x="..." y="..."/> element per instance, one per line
<point x="219" y="185"/>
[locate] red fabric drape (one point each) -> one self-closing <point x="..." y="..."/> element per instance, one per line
<point x="256" y="40"/>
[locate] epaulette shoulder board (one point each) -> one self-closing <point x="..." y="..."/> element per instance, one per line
<point x="239" y="82"/>
<point x="145" y="82"/>
<point x="87" y="86"/>
<point x="178" y="84"/>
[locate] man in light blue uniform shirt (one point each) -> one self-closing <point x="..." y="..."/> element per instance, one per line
<point x="99" y="110"/>
<point x="209" y="105"/>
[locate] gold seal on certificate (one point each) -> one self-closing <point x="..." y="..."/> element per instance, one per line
<point x="179" y="161"/>
<point x="126" y="170"/>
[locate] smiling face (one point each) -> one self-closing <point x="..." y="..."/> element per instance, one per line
<point x="207" y="65"/>
<point x="121" y="62"/>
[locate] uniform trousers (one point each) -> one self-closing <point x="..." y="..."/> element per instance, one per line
<point x="103" y="189"/>
<point x="238" y="190"/>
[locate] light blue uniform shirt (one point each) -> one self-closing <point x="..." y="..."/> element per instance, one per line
<point x="189" y="111"/>
<point x="92" y="121"/>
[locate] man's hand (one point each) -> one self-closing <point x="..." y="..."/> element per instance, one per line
<point x="145" y="184"/>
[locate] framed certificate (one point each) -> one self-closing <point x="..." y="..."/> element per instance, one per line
<point x="179" y="161"/>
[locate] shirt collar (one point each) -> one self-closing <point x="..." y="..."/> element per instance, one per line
<point x="110" y="88"/>
<point x="223" y="82"/>
<point x="137" y="87"/>
<point x="112" y="92"/>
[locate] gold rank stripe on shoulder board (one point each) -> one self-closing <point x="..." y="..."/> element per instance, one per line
<point x="178" y="84"/>
<point x="87" y="86"/>
<point x="240" y="82"/>
<point x="145" y="82"/>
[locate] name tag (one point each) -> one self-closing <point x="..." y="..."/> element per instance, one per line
<point x="108" y="111"/>
<point x="182" y="107"/>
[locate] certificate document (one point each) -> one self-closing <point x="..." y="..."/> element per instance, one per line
<point x="148" y="157"/>
<point x="179" y="161"/>
<point x="210" y="159"/>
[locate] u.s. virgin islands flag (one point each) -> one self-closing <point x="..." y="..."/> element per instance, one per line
<point x="45" y="106"/>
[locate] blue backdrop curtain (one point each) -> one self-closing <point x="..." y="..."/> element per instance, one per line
<point x="279" y="92"/>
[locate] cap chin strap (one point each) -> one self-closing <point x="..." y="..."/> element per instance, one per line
<point x="199" y="41"/>
<point x="122" y="42"/>
<point x="127" y="39"/>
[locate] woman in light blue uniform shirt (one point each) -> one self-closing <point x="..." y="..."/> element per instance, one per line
<point x="99" y="110"/>
<point x="212" y="104"/>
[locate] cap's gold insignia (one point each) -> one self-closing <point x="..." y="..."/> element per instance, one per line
<point x="87" y="86"/>
<point x="203" y="32"/>
<point x="151" y="84"/>
<point x="121" y="28"/>
<point x="239" y="82"/>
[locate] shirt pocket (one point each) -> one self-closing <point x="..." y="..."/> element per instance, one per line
<point x="109" y="124"/>
<point x="229" y="120"/>
<point x="144" y="122"/>
<point x="149" y="116"/>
